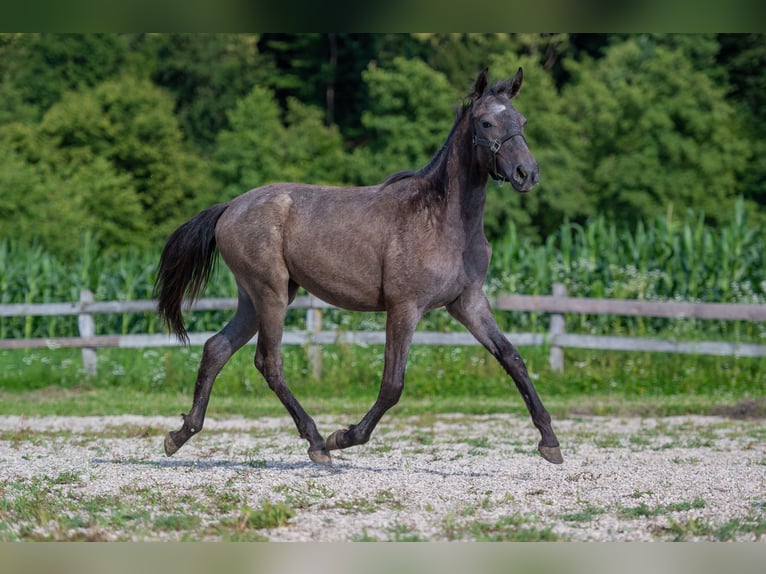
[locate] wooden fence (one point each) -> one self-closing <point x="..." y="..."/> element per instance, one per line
<point x="557" y="304"/>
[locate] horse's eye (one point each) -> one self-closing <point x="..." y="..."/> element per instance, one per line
<point x="486" y="125"/>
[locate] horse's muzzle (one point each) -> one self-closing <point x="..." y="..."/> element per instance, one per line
<point x="525" y="176"/>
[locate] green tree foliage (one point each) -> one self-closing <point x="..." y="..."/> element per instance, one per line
<point x="656" y="132"/>
<point x="44" y="66"/>
<point x="409" y="115"/>
<point x="206" y="74"/>
<point x="50" y="201"/>
<point x="127" y="135"/>
<point x="260" y="148"/>
<point x="108" y="159"/>
<point x="744" y="57"/>
<point x="130" y="122"/>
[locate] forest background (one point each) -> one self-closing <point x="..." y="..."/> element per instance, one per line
<point x="121" y="137"/>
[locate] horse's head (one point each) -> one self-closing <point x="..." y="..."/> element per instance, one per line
<point x="498" y="133"/>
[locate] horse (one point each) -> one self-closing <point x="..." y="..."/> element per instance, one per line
<point x="407" y="246"/>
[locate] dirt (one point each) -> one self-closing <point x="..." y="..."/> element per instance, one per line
<point x="429" y="478"/>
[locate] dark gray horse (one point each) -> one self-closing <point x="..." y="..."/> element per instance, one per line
<point x="414" y="243"/>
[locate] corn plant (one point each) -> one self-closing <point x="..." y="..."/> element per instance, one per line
<point x="661" y="259"/>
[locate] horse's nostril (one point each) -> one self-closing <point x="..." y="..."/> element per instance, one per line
<point x="521" y="174"/>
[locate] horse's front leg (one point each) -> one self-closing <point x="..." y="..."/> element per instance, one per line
<point x="473" y="310"/>
<point x="400" y="325"/>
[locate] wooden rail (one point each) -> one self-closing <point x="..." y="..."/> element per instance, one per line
<point x="558" y="305"/>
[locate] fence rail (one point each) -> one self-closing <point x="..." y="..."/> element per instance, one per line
<point x="557" y="305"/>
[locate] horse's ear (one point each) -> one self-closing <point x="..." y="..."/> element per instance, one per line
<point x="511" y="87"/>
<point x="516" y="83"/>
<point x="481" y="83"/>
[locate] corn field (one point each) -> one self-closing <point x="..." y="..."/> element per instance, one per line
<point x="657" y="260"/>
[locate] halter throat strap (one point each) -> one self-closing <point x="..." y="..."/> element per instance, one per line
<point x="494" y="146"/>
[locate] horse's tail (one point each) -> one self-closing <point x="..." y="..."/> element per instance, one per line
<point x="186" y="264"/>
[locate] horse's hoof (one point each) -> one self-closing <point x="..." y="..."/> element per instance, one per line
<point x="332" y="440"/>
<point x="551" y="454"/>
<point x="170" y="446"/>
<point x="320" y="456"/>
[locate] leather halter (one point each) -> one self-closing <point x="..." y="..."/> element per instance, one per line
<point x="494" y="146"/>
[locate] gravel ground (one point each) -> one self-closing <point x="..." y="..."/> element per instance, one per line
<point x="433" y="477"/>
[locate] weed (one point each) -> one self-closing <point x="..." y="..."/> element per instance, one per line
<point x="515" y="528"/>
<point x="680" y="531"/>
<point x="400" y="532"/>
<point x="583" y="475"/>
<point x="608" y="440"/>
<point x="176" y="522"/>
<point x="424" y="438"/>
<point x="640" y="493"/>
<point x="224" y="501"/>
<point x="645" y="510"/>
<point x="364" y="537"/>
<point x="357" y="505"/>
<point x="66" y="477"/>
<point x="311" y="494"/>
<point x="584" y="515"/>
<point x="267" y="516"/>
<point x="481" y="442"/>
<point x="388" y="499"/>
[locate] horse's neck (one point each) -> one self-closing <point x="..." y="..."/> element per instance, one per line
<point x="467" y="184"/>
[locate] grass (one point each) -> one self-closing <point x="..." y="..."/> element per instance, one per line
<point x="514" y="528"/>
<point x="33" y="509"/>
<point x="645" y="510"/>
<point x="586" y="514"/>
<point x="461" y="379"/>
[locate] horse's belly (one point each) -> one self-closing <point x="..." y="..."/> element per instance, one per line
<point x="345" y="295"/>
<point x="344" y="282"/>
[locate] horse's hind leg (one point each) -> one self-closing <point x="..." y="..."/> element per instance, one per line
<point x="217" y="351"/>
<point x="268" y="360"/>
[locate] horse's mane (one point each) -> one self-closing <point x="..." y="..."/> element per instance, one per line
<point x="432" y="178"/>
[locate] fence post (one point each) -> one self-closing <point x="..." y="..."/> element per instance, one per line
<point x="557" y="328"/>
<point x="87" y="328"/>
<point x="314" y="326"/>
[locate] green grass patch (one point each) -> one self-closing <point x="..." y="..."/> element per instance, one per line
<point x="268" y="515"/>
<point x="585" y="514"/>
<point x="645" y="510"/>
<point x="514" y="528"/>
<point x="439" y="379"/>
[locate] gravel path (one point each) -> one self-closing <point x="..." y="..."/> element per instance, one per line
<point x="434" y="477"/>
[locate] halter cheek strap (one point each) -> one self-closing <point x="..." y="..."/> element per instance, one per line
<point x="494" y="146"/>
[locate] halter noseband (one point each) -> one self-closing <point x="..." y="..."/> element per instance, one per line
<point x="494" y="146"/>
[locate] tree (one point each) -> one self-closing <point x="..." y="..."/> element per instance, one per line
<point x="108" y="159"/>
<point x="44" y="66"/>
<point x="259" y="148"/>
<point x="206" y="74"/>
<point x="323" y="71"/>
<point x="408" y="117"/>
<point x="656" y="133"/>
<point x="130" y="123"/>
<point x="744" y="57"/>
<point x="51" y="202"/>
